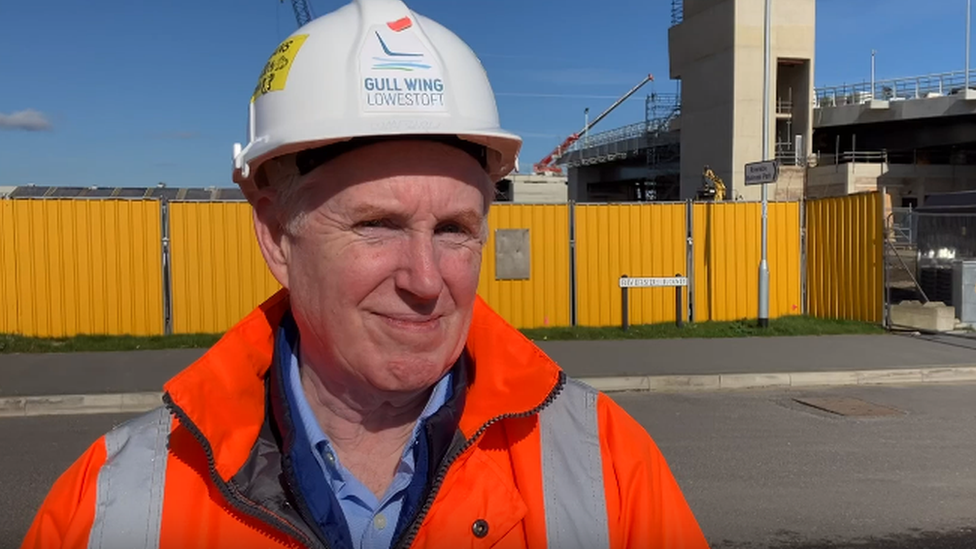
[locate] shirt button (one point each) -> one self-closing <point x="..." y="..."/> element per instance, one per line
<point x="330" y="457"/>
<point x="379" y="522"/>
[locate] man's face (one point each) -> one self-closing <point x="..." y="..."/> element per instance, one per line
<point x="383" y="270"/>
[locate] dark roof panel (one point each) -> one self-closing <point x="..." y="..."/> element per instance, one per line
<point x="230" y="194"/>
<point x="127" y="192"/>
<point x="28" y="192"/>
<point x="68" y="192"/>
<point x="197" y="194"/>
<point x="100" y="192"/>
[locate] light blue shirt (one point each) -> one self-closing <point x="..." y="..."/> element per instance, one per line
<point x="371" y="521"/>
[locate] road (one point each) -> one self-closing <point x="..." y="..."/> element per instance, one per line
<point x="759" y="469"/>
<point x="120" y="372"/>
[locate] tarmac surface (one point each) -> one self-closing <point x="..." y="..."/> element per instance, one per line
<point x="759" y="469"/>
<point x="147" y="371"/>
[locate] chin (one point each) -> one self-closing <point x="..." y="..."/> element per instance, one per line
<point x="412" y="371"/>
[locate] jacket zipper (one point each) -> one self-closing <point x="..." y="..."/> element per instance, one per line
<point x="241" y="505"/>
<point x="410" y="534"/>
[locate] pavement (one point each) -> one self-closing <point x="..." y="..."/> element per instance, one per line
<point x="45" y="384"/>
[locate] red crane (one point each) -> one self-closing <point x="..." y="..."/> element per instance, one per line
<point x="547" y="164"/>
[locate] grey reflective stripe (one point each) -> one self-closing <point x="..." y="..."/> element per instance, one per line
<point x="129" y="498"/>
<point x="572" y="470"/>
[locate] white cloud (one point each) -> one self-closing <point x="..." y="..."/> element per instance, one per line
<point x="26" y="120"/>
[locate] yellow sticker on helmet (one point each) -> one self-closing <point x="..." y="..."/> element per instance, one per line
<point x="275" y="72"/>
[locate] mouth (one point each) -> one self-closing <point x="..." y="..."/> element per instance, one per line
<point x="413" y="323"/>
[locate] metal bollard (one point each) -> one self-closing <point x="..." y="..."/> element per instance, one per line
<point x="624" y="313"/>
<point x="679" y="313"/>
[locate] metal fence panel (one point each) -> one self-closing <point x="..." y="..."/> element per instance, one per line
<point x="728" y="238"/>
<point x="218" y="272"/>
<point x="543" y="298"/>
<point x="632" y="240"/>
<point x="71" y="267"/>
<point x="845" y="257"/>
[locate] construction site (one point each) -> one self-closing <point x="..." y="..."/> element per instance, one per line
<point x="887" y="166"/>
<point x="913" y="136"/>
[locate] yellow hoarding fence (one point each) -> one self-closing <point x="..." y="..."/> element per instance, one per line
<point x="218" y="272"/>
<point x="71" y="267"/>
<point x="845" y="257"/>
<point x="728" y="249"/>
<point x="538" y="297"/>
<point x="637" y="240"/>
<point x="84" y="266"/>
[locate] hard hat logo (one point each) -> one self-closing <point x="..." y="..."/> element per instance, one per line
<point x="275" y="73"/>
<point x="395" y="60"/>
<point x="400" y="25"/>
<point x="399" y="73"/>
<point x="370" y="69"/>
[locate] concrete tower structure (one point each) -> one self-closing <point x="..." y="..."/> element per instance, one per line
<point x="716" y="50"/>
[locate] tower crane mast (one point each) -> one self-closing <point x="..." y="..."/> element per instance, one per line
<point x="303" y="11"/>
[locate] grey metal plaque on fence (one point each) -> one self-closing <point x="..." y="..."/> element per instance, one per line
<point x="512" y="260"/>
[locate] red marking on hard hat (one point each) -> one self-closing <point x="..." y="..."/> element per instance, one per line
<point x="400" y="24"/>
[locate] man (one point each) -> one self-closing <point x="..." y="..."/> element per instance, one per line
<point x="375" y="402"/>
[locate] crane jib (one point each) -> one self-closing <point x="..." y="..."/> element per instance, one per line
<point x="546" y="163"/>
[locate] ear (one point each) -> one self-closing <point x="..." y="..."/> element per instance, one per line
<point x="271" y="237"/>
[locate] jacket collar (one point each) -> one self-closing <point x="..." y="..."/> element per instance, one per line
<point x="224" y="393"/>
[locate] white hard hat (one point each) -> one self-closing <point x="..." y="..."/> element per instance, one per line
<point x="371" y="69"/>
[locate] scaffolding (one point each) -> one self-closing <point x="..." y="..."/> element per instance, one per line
<point x="652" y="142"/>
<point x="897" y="89"/>
<point x="663" y="150"/>
<point x="677" y="12"/>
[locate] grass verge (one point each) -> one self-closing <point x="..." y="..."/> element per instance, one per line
<point x="787" y="326"/>
<point x="77" y="344"/>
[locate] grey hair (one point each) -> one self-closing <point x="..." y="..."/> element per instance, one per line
<point x="287" y="183"/>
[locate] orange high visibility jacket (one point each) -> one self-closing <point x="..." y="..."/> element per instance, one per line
<point x="537" y="460"/>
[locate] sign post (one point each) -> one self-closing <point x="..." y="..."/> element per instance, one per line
<point x="763" y="173"/>
<point x="763" y="264"/>
<point x="677" y="282"/>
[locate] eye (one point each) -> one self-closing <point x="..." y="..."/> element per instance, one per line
<point x="451" y="228"/>
<point x="382" y="223"/>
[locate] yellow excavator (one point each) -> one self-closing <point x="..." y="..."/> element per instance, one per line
<point x="712" y="188"/>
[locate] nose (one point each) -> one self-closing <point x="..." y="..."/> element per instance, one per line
<point x="419" y="274"/>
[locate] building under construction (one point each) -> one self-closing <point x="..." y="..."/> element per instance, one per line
<point x="696" y="142"/>
<point x="639" y="162"/>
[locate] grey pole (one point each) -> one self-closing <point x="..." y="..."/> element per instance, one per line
<point x="873" y="53"/>
<point x="969" y="21"/>
<point x="586" y="124"/>
<point x="763" y="264"/>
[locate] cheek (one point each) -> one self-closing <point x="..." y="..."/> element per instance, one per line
<point x="461" y="270"/>
<point x="329" y="276"/>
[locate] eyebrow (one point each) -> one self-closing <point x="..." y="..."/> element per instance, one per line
<point x="465" y="216"/>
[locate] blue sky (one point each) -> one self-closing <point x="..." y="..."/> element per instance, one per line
<point x="133" y="92"/>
